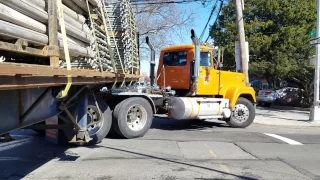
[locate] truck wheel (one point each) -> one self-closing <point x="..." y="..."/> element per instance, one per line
<point x="132" y="117"/>
<point x="98" y="124"/>
<point x="100" y="130"/>
<point x="114" y="132"/>
<point x="243" y="114"/>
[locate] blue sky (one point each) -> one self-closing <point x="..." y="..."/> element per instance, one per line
<point x="201" y="17"/>
<point x="200" y="21"/>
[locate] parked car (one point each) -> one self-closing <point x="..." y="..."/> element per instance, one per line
<point x="266" y="97"/>
<point x="290" y="97"/>
<point x="258" y="85"/>
<point x="285" y="96"/>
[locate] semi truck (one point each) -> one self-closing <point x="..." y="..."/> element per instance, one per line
<point x="75" y="80"/>
<point x="200" y="89"/>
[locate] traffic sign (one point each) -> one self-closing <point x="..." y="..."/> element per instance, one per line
<point x="313" y="33"/>
<point x="314" y="41"/>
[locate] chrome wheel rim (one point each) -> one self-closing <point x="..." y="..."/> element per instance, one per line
<point x="136" y="117"/>
<point x="94" y="120"/>
<point x="241" y="113"/>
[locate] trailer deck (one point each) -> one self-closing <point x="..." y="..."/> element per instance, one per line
<point x="21" y="76"/>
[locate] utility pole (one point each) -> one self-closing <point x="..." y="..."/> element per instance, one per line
<point x="315" y="109"/>
<point x="239" y="5"/>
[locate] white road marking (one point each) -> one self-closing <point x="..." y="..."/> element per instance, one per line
<point x="287" y="140"/>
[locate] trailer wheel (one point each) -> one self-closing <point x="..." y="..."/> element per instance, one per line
<point x="114" y="131"/>
<point x="98" y="123"/>
<point x="132" y="117"/>
<point x="242" y="114"/>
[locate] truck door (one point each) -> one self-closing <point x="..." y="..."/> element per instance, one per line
<point x="208" y="78"/>
<point x="176" y="72"/>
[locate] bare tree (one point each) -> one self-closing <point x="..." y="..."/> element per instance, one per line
<point x="165" y="24"/>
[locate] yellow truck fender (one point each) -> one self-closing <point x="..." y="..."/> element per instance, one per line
<point x="233" y="93"/>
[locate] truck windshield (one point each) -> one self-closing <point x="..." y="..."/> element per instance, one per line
<point x="205" y="59"/>
<point x="175" y="58"/>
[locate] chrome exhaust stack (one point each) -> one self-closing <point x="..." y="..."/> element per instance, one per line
<point x="152" y="61"/>
<point x="196" y="73"/>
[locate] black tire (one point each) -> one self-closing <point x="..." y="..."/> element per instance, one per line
<point x="106" y="119"/>
<point x="266" y="104"/>
<point x="120" y="117"/>
<point x="114" y="132"/>
<point x="234" y="122"/>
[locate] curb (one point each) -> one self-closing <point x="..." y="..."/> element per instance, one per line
<point x="308" y="124"/>
<point x="289" y="108"/>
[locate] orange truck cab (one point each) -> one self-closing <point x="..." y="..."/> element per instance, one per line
<point x="192" y="71"/>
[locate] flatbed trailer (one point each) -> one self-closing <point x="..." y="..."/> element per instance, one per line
<point x="21" y="76"/>
<point x="69" y="103"/>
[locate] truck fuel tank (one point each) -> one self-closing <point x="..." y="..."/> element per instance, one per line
<point x="199" y="108"/>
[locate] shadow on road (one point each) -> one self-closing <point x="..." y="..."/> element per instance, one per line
<point x="174" y="161"/>
<point x="25" y="154"/>
<point x="167" y="124"/>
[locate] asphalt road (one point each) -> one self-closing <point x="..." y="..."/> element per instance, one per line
<point x="172" y="150"/>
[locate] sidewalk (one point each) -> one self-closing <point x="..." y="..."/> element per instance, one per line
<point x="269" y="116"/>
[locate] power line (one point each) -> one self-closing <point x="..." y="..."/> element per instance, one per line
<point x="210" y="16"/>
<point x="149" y="2"/>
<point x="221" y="4"/>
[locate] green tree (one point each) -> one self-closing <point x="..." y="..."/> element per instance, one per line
<point x="277" y="32"/>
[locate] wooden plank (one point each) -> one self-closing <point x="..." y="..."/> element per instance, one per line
<point x="52" y="23"/>
<point x="20" y="76"/>
<point x="17" y="48"/>
<point x="54" y="61"/>
<point x="16" y="82"/>
<point x="12" y="69"/>
<point x="53" y="31"/>
<point x="20" y="48"/>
